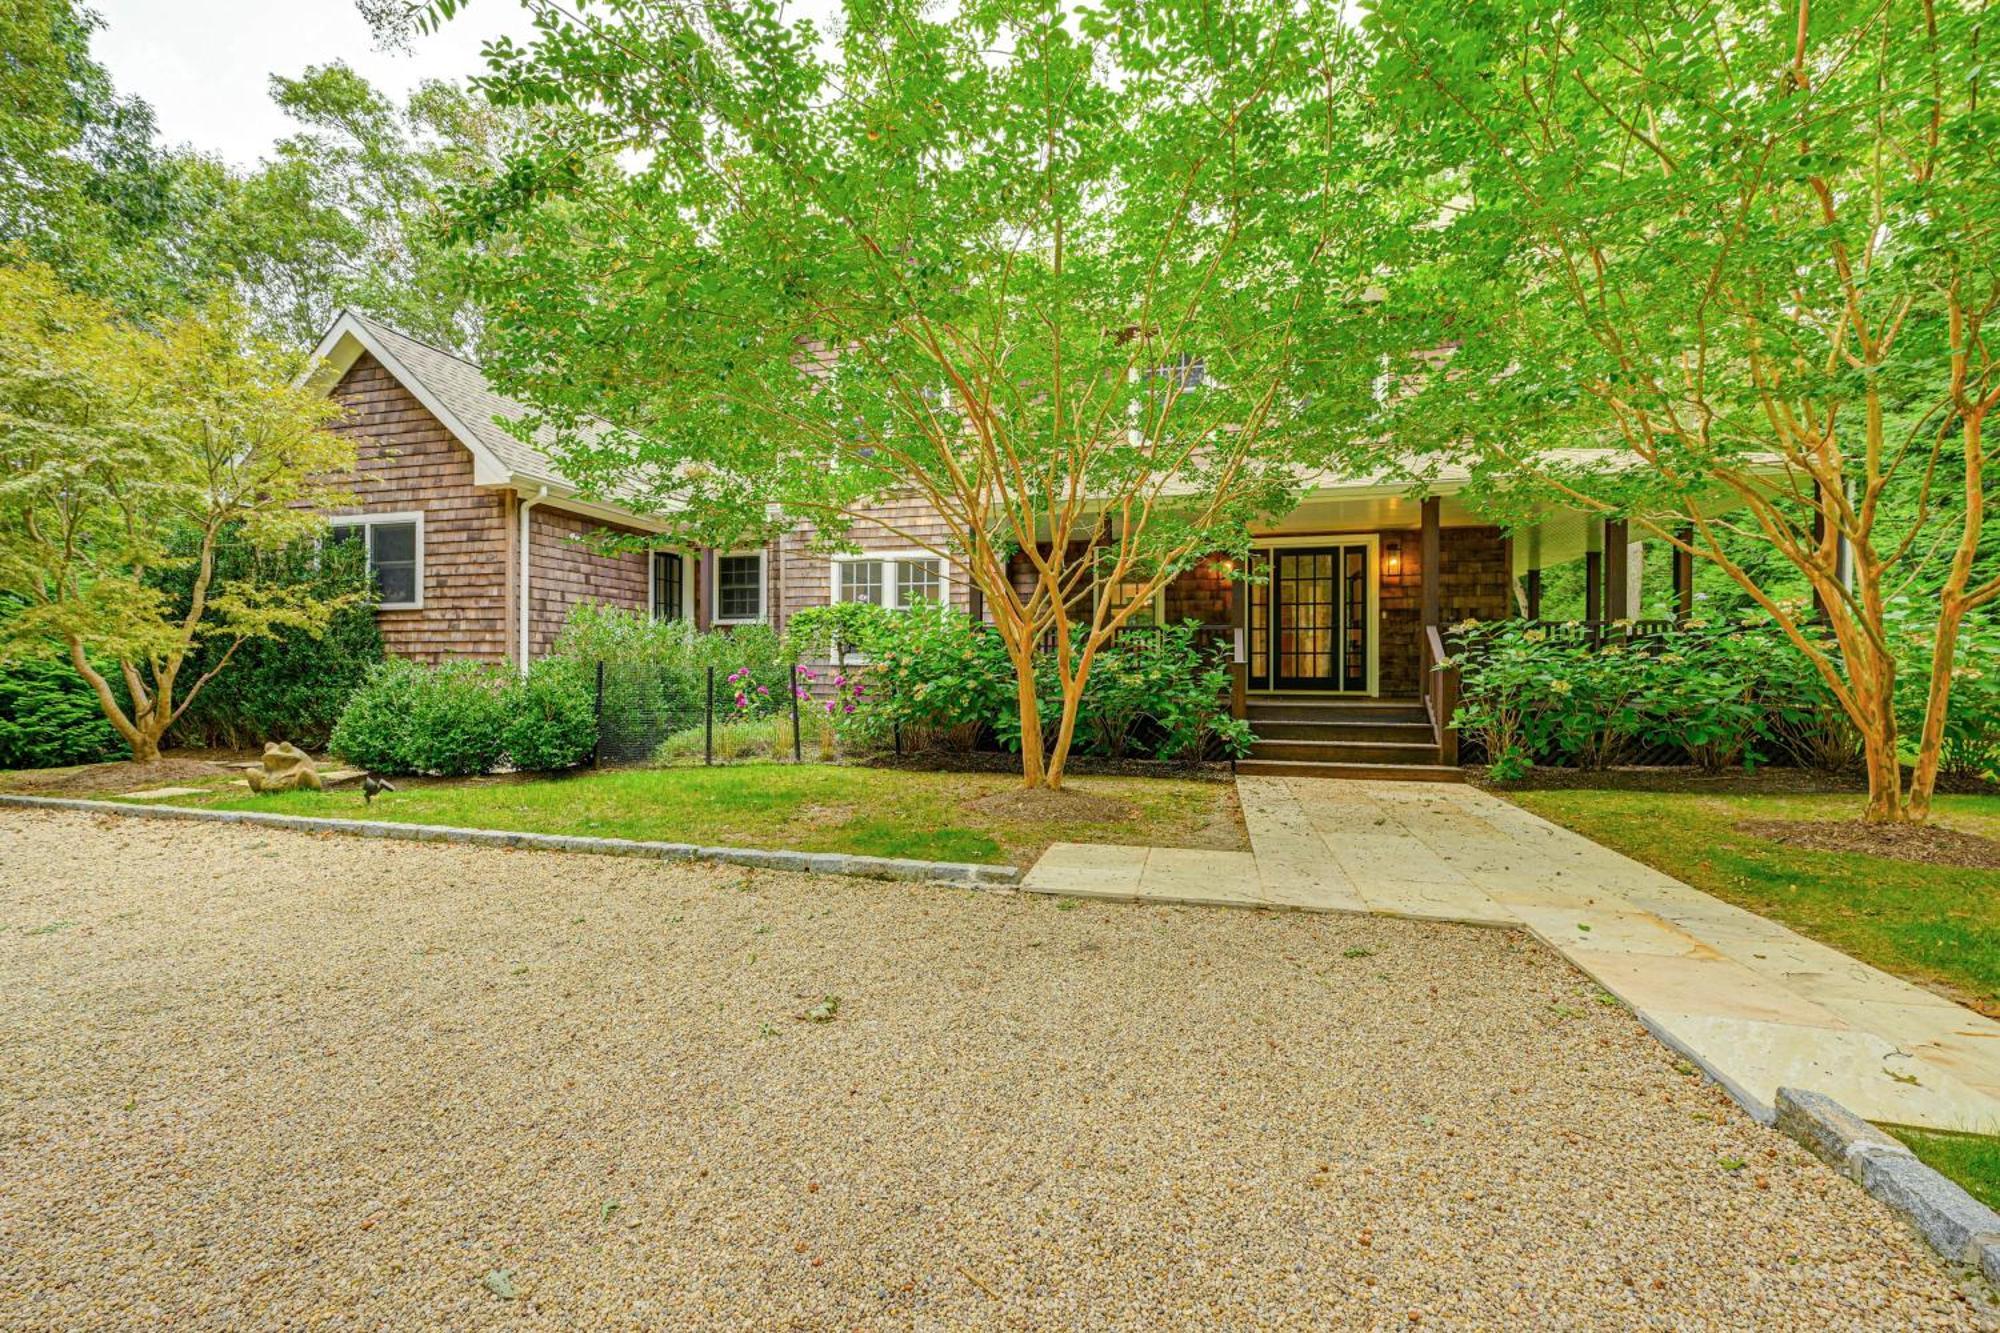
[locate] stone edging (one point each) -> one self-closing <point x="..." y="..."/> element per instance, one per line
<point x="1955" y="1224"/>
<point x="963" y="873"/>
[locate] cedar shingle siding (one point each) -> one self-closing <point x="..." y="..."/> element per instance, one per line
<point x="406" y="460"/>
<point x="801" y="577"/>
<point x="568" y="570"/>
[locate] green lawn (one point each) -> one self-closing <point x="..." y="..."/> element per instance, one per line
<point x="1935" y="925"/>
<point x="1973" y="1160"/>
<point x="868" y="811"/>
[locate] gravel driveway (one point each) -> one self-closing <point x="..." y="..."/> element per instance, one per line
<point x="259" y="1078"/>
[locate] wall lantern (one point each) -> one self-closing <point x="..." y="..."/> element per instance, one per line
<point x="1392" y="559"/>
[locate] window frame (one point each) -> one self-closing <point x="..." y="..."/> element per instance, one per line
<point x="1099" y="585"/>
<point x="763" y="558"/>
<point x="687" y="559"/>
<point x="892" y="577"/>
<point x="367" y="522"/>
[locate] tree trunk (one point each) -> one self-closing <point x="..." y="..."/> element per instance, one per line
<point x="1953" y="605"/>
<point x="1033" y="769"/>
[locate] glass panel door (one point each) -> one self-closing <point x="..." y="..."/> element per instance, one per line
<point x="1309" y="626"/>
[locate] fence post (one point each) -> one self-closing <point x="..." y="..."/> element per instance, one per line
<point x="597" y="713"/>
<point x="798" y="747"/>
<point x="708" y="722"/>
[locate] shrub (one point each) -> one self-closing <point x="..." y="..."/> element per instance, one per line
<point x="1152" y="695"/>
<point x="596" y="633"/>
<point x="551" y="716"/>
<point x="932" y="668"/>
<point x="293" y="686"/>
<point x="1723" y="694"/>
<point x="410" y="718"/>
<point x="50" y="718"/>
<point x="1971" y="745"/>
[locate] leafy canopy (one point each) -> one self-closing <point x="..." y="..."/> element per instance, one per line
<point x="1032" y="265"/>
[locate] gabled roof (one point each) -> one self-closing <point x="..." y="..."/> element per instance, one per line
<point x="454" y="390"/>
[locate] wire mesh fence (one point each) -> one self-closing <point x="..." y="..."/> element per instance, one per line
<point x="660" y="714"/>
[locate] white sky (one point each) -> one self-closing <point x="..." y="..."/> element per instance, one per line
<point x="205" y="65"/>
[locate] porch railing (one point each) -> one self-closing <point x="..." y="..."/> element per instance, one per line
<point x="1440" y="677"/>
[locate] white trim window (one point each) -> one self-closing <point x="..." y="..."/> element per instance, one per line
<point x="1127" y="591"/>
<point x="395" y="553"/>
<point x="670" y="585"/>
<point x="738" y="587"/>
<point x="895" y="579"/>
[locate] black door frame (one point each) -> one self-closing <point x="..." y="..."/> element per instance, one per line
<point x="1338" y="546"/>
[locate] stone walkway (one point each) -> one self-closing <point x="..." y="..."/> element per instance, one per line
<point x="1756" y="1005"/>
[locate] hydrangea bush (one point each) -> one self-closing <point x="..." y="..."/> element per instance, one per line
<point x="1722" y="693"/>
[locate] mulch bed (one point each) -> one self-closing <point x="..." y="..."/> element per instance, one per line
<point x="1930" y="844"/>
<point x="995" y="761"/>
<point x="170" y="770"/>
<point x="1725" y="782"/>
<point x="1022" y="806"/>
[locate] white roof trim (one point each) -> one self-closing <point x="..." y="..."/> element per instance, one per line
<point x="342" y="347"/>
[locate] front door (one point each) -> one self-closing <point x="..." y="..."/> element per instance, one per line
<point x="1317" y="619"/>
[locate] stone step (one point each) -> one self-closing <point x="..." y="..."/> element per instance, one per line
<point x="1340" y="729"/>
<point x="1347" y="752"/>
<point x="1335" y="710"/>
<point x="1292" y="768"/>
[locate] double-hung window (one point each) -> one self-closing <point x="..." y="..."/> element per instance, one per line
<point x="896" y="581"/>
<point x="739" y="588"/>
<point x="394" y="547"/>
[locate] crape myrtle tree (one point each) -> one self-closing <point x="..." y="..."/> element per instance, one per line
<point x="1094" y="283"/>
<point x="127" y="453"/>
<point x="1750" y="247"/>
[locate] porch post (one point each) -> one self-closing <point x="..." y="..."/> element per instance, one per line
<point x="1429" y="557"/>
<point x="1843" y="554"/>
<point x="1617" y="574"/>
<point x="1533" y="581"/>
<point x="704" y="563"/>
<point x="1684" y="575"/>
<point x="975" y="599"/>
<point x="1239" y="645"/>
<point x="1593" y="586"/>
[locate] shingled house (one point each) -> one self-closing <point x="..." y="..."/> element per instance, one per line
<point x="481" y="548"/>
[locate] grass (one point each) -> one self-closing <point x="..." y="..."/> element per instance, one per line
<point x="817" y="808"/>
<point x="1935" y="925"/>
<point x="1973" y="1160"/>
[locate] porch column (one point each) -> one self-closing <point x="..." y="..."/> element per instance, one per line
<point x="1617" y="570"/>
<point x="1593" y="586"/>
<point x="1531" y="577"/>
<point x="1684" y="575"/>
<point x="704" y="562"/>
<point x="1843" y="554"/>
<point x="975" y="598"/>
<point x="1239" y="643"/>
<point x="1430" y="553"/>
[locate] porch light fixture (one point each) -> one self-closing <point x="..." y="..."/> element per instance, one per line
<point x="1392" y="558"/>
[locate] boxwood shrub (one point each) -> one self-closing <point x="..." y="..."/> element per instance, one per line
<point x="551" y="716"/>
<point x="462" y="718"/>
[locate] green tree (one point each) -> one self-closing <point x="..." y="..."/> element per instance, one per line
<point x="346" y="213"/>
<point x="1750" y="248"/>
<point x="126" y="452"/>
<point x="1047" y="271"/>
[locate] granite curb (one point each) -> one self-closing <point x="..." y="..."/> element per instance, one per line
<point x="961" y="873"/>
<point x="1952" y="1222"/>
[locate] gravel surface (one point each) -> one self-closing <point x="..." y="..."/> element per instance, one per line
<point x="272" y="1079"/>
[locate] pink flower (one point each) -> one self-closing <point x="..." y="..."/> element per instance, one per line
<point x="742" y="701"/>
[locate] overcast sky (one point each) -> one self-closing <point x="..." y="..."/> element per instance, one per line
<point x="205" y="65"/>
